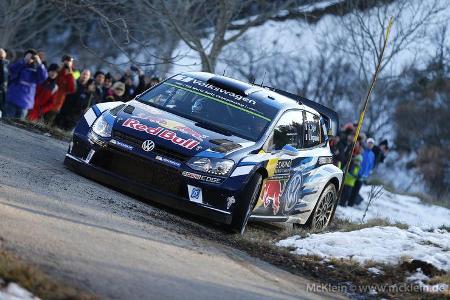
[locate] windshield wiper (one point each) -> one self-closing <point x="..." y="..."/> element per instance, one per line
<point x="213" y="127"/>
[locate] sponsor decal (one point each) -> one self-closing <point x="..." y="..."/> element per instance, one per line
<point x="121" y="144"/>
<point x="211" y="87"/>
<point x="161" y="132"/>
<point x="174" y="125"/>
<point x="293" y="191"/>
<point x="148" y="145"/>
<point x="283" y="167"/>
<point x="168" y="161"/>
<point x="201" y="177"/>
<point x="230" y="201"/>
<point x="271" y="194"/>
<point x="195" y="194"/>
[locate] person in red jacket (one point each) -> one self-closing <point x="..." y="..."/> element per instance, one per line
<point x="66" y="85"/>
<point x="45" y="95"/>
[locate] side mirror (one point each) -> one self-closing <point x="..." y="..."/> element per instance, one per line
<point x="289" y="150"/>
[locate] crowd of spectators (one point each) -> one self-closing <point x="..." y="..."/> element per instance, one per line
<point x="367" y="155"/>
<point x="58" y="94"/>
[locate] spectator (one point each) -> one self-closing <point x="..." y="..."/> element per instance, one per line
<point x="107" y="84"/>
<point x="367" y="166"/>
<point x="130" y="89"/>
<point x="381" y="152"/>
<point x="142" y="82"/>
<point x="343" y="146"/>
<point x="351" y="176"/>
<point x="45" y="94"/>
<point x="116" y="92"/>
<point x="66" y="85"/>
<point x="4" y="63"/>
<point x="85" y="75"/>
<point x="76" y="104"/>
<point x="24" y="75"/>
<point x="334" y="141"/>
<point x="99" y="78"/>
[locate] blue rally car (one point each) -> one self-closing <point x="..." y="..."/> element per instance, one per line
<point x="217" y="147"/>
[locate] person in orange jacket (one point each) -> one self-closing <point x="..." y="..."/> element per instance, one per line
<point x="66" y="85"/>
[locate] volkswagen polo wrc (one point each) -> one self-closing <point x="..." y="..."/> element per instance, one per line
<point x="217" y="147"/>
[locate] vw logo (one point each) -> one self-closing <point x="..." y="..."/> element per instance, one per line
<point x="148" y="145"/>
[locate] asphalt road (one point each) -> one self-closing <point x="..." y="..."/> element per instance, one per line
<point x="117" y="247"/>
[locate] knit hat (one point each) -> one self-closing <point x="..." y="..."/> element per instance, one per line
<point x="119" y="88"/>
<point x="370" y="141"/>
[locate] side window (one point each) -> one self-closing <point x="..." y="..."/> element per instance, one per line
<point x="288" y="131"/>
<point x="313" y="131"/>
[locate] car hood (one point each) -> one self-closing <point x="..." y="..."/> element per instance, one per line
<point x="140" y="122"/>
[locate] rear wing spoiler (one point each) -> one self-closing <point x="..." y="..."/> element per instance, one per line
<point x="330" y="117"/>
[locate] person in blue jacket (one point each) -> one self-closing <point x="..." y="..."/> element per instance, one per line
<point x="24" y="75"/>
<point x="367" y="166"/>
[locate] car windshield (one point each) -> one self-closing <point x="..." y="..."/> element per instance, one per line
<point x="211" y="107"/>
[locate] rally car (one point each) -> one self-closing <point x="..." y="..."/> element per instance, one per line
<point x="217" y="147"/>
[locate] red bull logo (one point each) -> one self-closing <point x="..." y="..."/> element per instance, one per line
<point x="271" y="194"/>
<point x="161" y="132"/>
<point x="174" y="125"/>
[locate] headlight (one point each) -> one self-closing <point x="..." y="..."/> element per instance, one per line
<point x="214" y="166"/>
<point x="101" y="127"/>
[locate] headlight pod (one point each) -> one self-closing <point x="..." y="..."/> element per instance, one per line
<point x="101" y="127"/>
<point x="214" y="166"/>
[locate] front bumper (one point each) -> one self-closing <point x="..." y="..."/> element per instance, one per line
<point x="171" y="192"/>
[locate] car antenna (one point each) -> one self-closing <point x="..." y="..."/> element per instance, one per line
<point x="224" y="70"/>
<point x="262" y="81"/>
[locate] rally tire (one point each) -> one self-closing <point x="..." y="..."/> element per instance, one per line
<point x="245" y="204"/>
<point x="324" y="211"/>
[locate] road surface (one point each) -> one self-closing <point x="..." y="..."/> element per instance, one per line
<point x="115" y="246"/>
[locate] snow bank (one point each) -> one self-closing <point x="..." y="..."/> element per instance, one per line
<point x="382" y="244"/>
<point x="14" y="291"/>
<point x="397" y="208"/>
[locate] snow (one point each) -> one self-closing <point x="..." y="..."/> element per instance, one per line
<point x="384" y="244"/>
<point x="375" y="271"/>
<point x="14" y="291"/>
<point x="419" y="278"/>
<point x="397" y="208"/>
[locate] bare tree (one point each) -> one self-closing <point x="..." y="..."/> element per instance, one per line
<point x="363" y="31"/>
<point x="204" y="25"/>
<point x="23" y="22"/>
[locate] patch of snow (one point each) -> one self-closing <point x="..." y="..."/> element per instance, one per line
<point x="419" y="279"/>
<point x="375" y="271"/>
<point x="385" y="244"/>
<point x="13" y="291"/>
<point x="397" y="208"/>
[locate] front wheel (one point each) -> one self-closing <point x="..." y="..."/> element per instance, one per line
<point x="324" y="210"/>
<point x="245" y="204"/>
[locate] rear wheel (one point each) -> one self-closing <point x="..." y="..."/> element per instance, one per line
<point x="245" y="204"/>
<point x="324" y="210"/>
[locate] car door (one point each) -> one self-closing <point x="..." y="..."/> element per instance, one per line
<point x="293" y="150"/>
